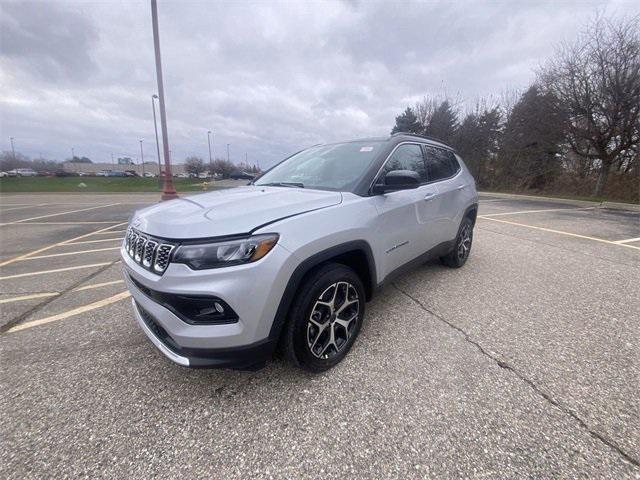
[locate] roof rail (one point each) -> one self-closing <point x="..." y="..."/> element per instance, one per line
<point x="427" y="137"/>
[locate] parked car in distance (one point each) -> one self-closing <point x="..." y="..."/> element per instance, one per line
<point x="3" y="174"/>
<point x="223" y="278"/>
<point x="22" y="172"/>
<point x="240" y="175"/>
<point x="129" y="173"/>
<point x="149" y="175"/>
<point x="65" y="173"/>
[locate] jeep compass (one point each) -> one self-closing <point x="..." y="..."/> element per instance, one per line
<point x="288" y="262"/>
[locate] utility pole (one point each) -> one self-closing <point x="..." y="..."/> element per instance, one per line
<point x="142" y="158"/>
<point x="168" y="192"/>
<point x="210" y="158"/>
<point x="73" y="154"/>
<point x="113" y="164"/>
<point x="13" y="149"/>
<point x="228" y="158"/>
<point x="155" y="127"/>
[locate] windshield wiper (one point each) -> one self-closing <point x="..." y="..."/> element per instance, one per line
<point x="282" y="184"/>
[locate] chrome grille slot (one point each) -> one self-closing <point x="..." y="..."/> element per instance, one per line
<point x="139" y="249"/>
<point x="148" y="252"/>
<point x="162" y="257"/>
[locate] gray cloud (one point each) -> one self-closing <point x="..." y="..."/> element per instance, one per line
<point x="268" y="78"/>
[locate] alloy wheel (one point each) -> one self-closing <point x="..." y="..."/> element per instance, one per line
<point x="464" y="242"/>
<point x="333" y="320"/>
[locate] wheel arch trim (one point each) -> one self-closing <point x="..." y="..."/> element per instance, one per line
<point x="300" y="272"/>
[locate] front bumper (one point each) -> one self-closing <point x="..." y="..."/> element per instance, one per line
<point x="249" y="357"/>
<point x="253" y="291"/>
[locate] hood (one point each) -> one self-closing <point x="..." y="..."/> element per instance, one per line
<point x="229" y="212"/>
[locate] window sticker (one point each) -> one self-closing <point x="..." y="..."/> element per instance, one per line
<point x="366" y="149"/>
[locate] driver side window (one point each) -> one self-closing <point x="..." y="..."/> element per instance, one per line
<point x="406" y="157"/>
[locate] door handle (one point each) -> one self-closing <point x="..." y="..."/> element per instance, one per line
<point x="461" y="187"/>
<point x="429" y="196"/>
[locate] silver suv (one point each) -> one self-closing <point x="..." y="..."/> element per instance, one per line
<point x="222" y="279"/>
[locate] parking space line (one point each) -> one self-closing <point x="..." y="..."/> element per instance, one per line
<point x="49" y="247"/>
<point x="61" y="223"/>
<point x="29" y="297"/>
<point x="60" y="213"/>
<point x="22" y="207"/>
<point x="536" y="211"/>
<point x="95" y="241"/>
<point x="110" y="232"/>
<point x="95" y="250"/>
<point x="560" y="232"/>
<point x="97" y="285"/>
<point x="71" y="313"/>
<point x="628" y="240"/>
<point x="56" y="270"/>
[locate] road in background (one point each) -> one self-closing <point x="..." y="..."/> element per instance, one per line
<point x="524" y="363"/>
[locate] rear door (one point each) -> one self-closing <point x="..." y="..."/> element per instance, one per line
<point x="404" y="216"/>
<point x="445" y="172"/>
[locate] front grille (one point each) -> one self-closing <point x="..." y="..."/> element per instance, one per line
<point x="152" y="254"/>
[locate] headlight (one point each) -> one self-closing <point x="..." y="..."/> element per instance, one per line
<point x="224" y="254"/>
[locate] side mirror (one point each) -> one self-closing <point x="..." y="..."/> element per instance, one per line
<point x="397" y="180"/>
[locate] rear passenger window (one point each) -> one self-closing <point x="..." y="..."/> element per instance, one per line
<point x="440" y="163"/>
<point x="407" y="157"/>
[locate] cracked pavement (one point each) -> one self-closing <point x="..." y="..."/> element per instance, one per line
<point x="523" y="363"/>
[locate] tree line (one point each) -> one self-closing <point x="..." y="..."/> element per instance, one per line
<point x="196" y="165"/>
<point x="574" y="131"/>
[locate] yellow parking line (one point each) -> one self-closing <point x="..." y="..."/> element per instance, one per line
<point x="49" y="247"/>
<point x="60" y="213"/>
<point x="44" y="272"/>
<point x="29" y="297"/>
<point x="536" y="211"/>
<point x="95" y="241"/>
<point x="109" y="232"/>
<point x="38" y="257"/>
<point x="628" y="240"/>
<point x="71" y="313"/>
<point x="97" y="285"/>
<point x="560" y="232"/>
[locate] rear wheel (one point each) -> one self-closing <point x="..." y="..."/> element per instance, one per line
<point x="325" y="318"/>
<point x="462" y="248"/>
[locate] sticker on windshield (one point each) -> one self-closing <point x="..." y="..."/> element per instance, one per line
<point x="366" y="149"/>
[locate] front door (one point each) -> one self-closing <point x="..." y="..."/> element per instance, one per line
<point x="405" y="215"/>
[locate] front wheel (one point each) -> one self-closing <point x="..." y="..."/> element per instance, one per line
<point x="462" y="248"/>
<point x="325" y="318"/>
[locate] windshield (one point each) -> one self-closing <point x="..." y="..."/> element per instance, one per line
<point x="327" y="167"/>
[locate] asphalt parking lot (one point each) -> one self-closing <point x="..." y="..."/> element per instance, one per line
<point x="524" y="363"/>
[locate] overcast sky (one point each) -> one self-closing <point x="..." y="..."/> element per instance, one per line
<point x="268" y="78"/>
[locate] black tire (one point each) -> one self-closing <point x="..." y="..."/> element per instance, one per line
<point x="458" y="256"/>
<point x="310" y="300"/>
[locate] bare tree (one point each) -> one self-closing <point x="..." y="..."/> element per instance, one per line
<point x="597" y="82"/>
<point x="194" y="165"/>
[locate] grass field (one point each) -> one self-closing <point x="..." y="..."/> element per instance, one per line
<point x="99" y="184"/>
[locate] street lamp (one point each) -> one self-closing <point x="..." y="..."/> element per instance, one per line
<point x="73" y="154"/>
<point x="168" y="192"/>
<point x="155" y="127"/>
<point x="228" y="160"/>
<point x="13" y="148"/>
<point x="142" y="158"/>
<point x="209" y="133"/>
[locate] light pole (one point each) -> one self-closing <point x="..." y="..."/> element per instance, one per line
<point x="210" y="159"/>
<point x="73" y="154"/>
<point x="168" y="192"/>
<point x="13" y="149"/>
<point x="155" y="126"/>
<point x="142" y="158"/>
<point x="228" y="159"/>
